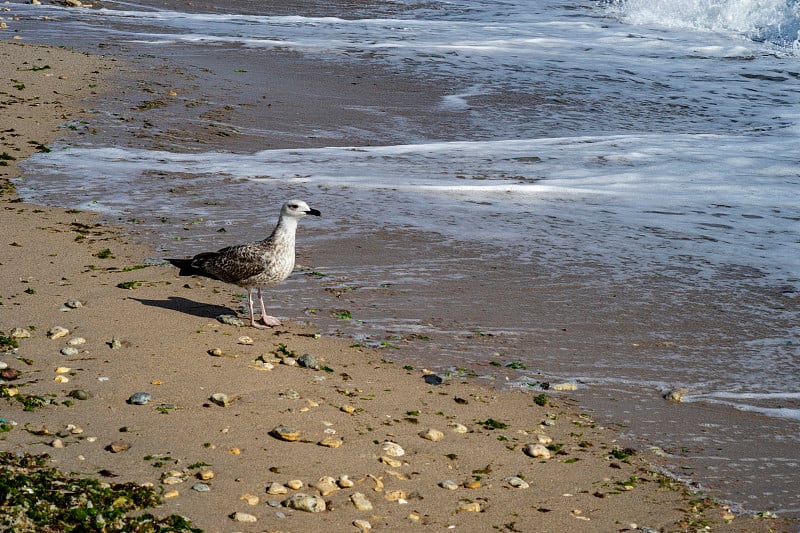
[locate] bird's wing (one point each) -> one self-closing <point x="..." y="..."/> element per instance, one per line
<point x="232" y="264"/>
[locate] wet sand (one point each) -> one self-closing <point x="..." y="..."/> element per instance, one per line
<point x="360" y="398"/>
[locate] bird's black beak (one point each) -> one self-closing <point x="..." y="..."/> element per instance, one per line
<point x="313" y="212"/>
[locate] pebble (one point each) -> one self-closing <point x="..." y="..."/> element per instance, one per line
<point x="20" y="333"/>
<point x="73" y="304"/>
<point x="251" y="499"/>
<point x="433" y="435"/>
<point x="140" y="398"/>
<point x="548" y="422"/>
<point x="459" y="428"/>
<point x="393" y="449"/>
<point x="285" y="433"/>
<point x="69" y="351"/>
<point x="536" y="450"/>
<point x="449" y="485"/>
<point x="243" y="517"/>
<point x="57" y="443"/>
<point x="216" y="352"/>
<point x="118" y="447"/>
<point x="79" y="394"/>
<point x="289" y="361"/>
<point x="63" y="370"/>
<point x="171" y="494"/>
<point x="231" y="320"/>
<point x="394" y="463"/>
<point x="361" y="502"/>
<point x="61" y="379"/>
<point x="205" y="475"/>
<point x="76" y="341"/>
<point x="277" y="489"/>
<point x="345" y="482"/>
<point x="115" y="343"/>
<point x="472" y="484"/>
<point x="56" y="332"/>
<point x="362" y="525"/>
<point x="304" y="502"/>
<point x="201" y="487"/>
<point x="396" y="496"/>
<point x="308" y="361"/>
<point x="291" y="394"/>
<point x="517" y="482"/>
<point x="472" y="507"/>
<point x="543" y="439"/>
<point x="221" y="399"/>
<point x="675" y="395"/>
<point x="172" y="480"/>
<point x="294" y="484"/>
<point x="3" y="365"/>
<point x="347" y="408"/>
<point x="326" y="486"/>
<point x="245" y="340"/>
<point x="331" y="442"/>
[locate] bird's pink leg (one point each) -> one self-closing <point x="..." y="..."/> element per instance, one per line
<point x="265" y="318"/>
<point x="252" y="314"/>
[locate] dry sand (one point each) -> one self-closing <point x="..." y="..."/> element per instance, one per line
<point x="167" y="327"/>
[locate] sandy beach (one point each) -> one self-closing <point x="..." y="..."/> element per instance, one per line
<point x="235" y="428"/>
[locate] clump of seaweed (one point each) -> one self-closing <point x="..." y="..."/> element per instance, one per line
<point x="35" y="497"/>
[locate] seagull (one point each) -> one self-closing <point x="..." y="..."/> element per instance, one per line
<point x="258" y="265"/>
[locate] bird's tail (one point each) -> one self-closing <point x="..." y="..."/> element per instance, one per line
<point x="186" y="267"/>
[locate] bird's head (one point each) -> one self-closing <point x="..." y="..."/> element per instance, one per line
<point x="298" y="209"/>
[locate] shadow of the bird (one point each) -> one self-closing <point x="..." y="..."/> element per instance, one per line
<point x="189" y="307"/>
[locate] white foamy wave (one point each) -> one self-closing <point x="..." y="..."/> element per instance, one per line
<point x="754" y="402"/>
<point x="773" y="21"/>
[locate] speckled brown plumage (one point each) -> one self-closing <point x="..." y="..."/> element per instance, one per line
<point x="255" y="265"/>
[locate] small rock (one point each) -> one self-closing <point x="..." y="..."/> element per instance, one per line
<point x="69" y="351"/>
<point x="432" y="379"/>
<point x="331" y="442"/>
<point x="543" y="439"/>
<point x="76" y="341"/>
<point x="396" y="495"/>
<point x="564" y="387"/>
<point x="20" y="333"/>
<point x="251" y="499"/>
<point x="675" y="395"/>
<point x="326" y="486"/>
<point x="205" y="475"/>
<point x="79" y="394"/>
<point x="3" y="365"/>
<point x="362" y="525"/>
<point x="243" y="517"/>
<point x="345" y="482"/>
<point x="459" y="428"/>
<point x="74" y="304"/>
<point x="61" y="379"/>
<point x="9" y="374"/>
<point x="56" y="332"/>
<point x="294" y="484"/>
<point x="449" y="485"/>
<point x="118" y="447"/>
<point x="471" y="507"/>
<point x="57" y="443"/>
<point x="216" y="352"/>
<point x="361" y="502"/>
<point x="171" y="494"/>
<point x="394" y="463"/>
<point x="221" y="399"/>
<point x="140" y="398"/>
<point x="73" y="429"/>
<point x="63" y="370"/>
<point x="349" y="409"/>
<point x="231" y="320"/>
<point x="472" y="484"/>
<point x="172" y="480"/>
<point x="433" y="435"/>
<point x="536" y="450"/>
<point x="277" y="489"/>
<point x="393" y="449"/>
<point x="245" y="340"/>
<point x="304" y="502"/>
<point x="115" y="343"/>
<point x="201" y="487"/>
<point x="308" y="361"/>
<point x="285" y="433"/>
<point x="289" y="361"/>
<point x="517" y="482"/>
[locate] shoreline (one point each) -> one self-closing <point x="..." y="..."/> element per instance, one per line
<point x="167" y="327"/>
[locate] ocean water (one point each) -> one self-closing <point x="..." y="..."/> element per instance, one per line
<point x="604" y="192"/>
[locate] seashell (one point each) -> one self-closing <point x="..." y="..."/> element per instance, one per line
<point x="331" y="442"/>
<point x="73" y="429"/>
<point x="221" y="399"/>
<point x="361" y="502"/>
<point x="393" y="449"/>
<point x="285" y="433"/>
<point x="56" y="332"/>
<point x="61" y="379"/>
<point x="294" y="484"/>
<point x="304" y="502"/>
<point x="396" y="495"/>
<point x="231" y="320"/>
<point x="20" y="333"/>
<point x="459" y="428"/>
<point x="536" y="450"/>
<point x="63" y="370"/>
<point x="277" y="489"/>
<point x="378" y="482"/>
<point x="308" y="361"/>
<point x="517" y="482"/>
<point x="433" y="435"/>
<point x="239" y="516"/>
<point x="394" y="463"/>
<point x="345" y="482"/>
<point x="140" y="398"/>
<point x="244" y="339"/>
<point x="449" y="485"/>
<point x="326" y="486"/>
